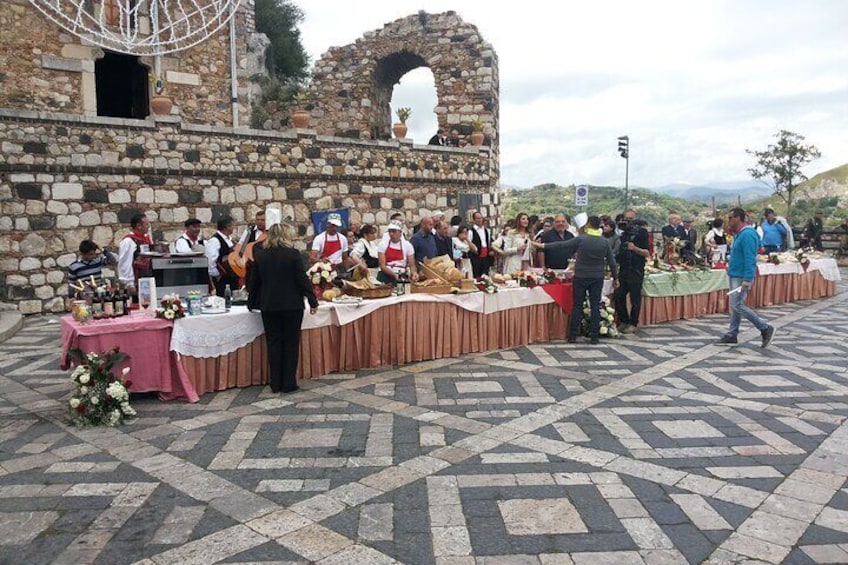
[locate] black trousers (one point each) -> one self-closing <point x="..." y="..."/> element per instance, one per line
<point x="481" y="265"/>
<point x="282" y="336"/>
<point x="595" y="288"/>
<point x="629" y="283"/>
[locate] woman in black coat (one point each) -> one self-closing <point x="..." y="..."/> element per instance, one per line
<point x="277" y="287"/>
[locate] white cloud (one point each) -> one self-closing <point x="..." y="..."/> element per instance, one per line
<point x="692" y="84"/>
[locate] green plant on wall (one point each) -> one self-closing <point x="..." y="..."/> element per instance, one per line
<point x="403" y="114"/>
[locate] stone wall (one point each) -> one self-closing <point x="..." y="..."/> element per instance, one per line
<point x="44" y="68"/>
<point x="66" y="178"/>
<point x="351" y="88"/>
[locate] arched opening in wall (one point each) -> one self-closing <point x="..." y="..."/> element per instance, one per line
<point x="388" y="72"/>
<point x="417" y="90"/>
<point x="122" y="87"/>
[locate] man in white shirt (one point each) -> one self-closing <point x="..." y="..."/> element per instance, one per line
<point x="481" y="237"/>
<point x="330" y="245"/>
<point x="192" y="238"/>
<point x="217" y="248"/>
<point x="130" y="265"/>
<point x="255" y="232"/>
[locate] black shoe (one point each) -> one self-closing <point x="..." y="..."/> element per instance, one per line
<point x="767" y="334"/>
<point x="594" y="340"/>
<point x="295" y="388"/>
<point x="571" y="339"/>
<point x="728" y="340"/>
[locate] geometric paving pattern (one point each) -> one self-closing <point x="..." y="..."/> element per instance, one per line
<point x="656" y="448"/>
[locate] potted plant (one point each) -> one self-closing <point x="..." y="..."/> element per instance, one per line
<point x="400" y="129"/>
<point x="160" y="102"/>
<point x="477" y="136"/>
<point x="300" y="116"/>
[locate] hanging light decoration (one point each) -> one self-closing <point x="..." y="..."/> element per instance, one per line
<point x="140" y="27"/>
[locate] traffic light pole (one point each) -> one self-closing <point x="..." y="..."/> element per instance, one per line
<point x="624" y="151"/>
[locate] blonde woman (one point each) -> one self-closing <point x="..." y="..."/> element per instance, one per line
<point x="277" y="286"/>
<point x="515" y="245"/>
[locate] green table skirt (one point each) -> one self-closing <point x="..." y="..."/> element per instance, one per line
<point x="684" y="283"/>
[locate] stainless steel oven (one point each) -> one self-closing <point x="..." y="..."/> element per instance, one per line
<point x="178" y="275"/>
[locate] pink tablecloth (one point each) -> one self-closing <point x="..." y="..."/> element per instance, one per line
<point x="154" y="367"/>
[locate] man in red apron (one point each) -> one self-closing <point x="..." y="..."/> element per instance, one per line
<point x="330" y="245"/>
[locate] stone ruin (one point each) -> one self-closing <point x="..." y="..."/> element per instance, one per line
<point x="68" y="174"/>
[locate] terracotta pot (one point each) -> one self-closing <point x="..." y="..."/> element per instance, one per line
<point x="399" y="130"/>
<point x="477" y="138"/>
<point x="300" y="119"/>
<point x="161" y="104"/>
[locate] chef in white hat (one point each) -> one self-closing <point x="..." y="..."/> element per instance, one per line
<point x="330" y="245"/>
<point x="396" y="256"/>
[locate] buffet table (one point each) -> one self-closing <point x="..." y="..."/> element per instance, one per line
<point x="691" y="294"/>
<point x="228" y="350"/>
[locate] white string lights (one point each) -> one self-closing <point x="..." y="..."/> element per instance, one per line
<point x="140" y="27"/>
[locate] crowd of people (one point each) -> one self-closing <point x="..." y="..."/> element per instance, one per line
<point x="591" y="247"/>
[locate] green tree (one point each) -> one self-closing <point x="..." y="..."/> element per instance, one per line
<point x="779" y="165"/>
<point x="278" y="19"/>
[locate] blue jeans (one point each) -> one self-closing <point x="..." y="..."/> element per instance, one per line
<point x="595" y="288"/>
<point x="738" y="308"/>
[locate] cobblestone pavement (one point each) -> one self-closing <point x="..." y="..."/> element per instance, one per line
<point x="655" y="448"/>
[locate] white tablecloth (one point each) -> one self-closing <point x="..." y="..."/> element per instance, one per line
<point x="827" y="266"/>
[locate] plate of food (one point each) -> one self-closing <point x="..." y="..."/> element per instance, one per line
<point x="347" y="299"/>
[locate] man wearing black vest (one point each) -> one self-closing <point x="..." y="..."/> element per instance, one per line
<point x="481" y="236"/>
<point x="217" y="248"/>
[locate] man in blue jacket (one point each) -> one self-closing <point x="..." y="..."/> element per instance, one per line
<point x="742" y="268"/>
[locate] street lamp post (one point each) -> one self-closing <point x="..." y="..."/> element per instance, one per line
<point x="624" y="151"/>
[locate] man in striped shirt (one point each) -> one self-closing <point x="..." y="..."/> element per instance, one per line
<point x="90" y="264"/>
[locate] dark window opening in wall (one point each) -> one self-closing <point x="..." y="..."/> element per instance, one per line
<point x="122" y="87"/>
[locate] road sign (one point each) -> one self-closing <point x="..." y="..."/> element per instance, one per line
<point x="581" y="195"/>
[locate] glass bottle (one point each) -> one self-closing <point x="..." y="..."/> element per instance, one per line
<point x="228" y="297"/>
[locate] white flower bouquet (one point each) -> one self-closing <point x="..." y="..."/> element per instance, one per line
<point x="100" y="398"/>
<point x="607" y="328"/>
<point x="321" y="273"/>
<point x="171" y="308"/>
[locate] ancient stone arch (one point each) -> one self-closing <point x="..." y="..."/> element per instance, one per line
<point x="351" y="87"/>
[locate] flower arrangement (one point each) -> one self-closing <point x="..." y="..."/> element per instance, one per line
<point x="100" y="398"/>
<point x="803" y="256"/>
<point x="607" y="328"/>
<point x="532" y="279"/>
<point x="774" y="258"/>
<point x="486" y="284"/>
<point x="321" y="273"/>
<point x="171" y="308"/>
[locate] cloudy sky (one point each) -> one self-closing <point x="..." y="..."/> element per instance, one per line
<point x="693" y="84"/>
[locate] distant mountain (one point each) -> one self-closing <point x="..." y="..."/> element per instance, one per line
<point x="724" y="192"/>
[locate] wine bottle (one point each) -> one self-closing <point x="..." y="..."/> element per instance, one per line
<point x="108" y="303"/>
<point x="118" y="303"/>
<point x="97" y="305"/>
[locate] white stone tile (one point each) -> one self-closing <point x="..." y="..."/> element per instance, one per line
<point x="687" y="429"/>
<point x="524" y="517"/>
